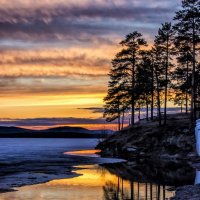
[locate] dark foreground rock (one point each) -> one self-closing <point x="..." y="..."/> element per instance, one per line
<point x="188" y="192"/>
<point x="146" y="139"/>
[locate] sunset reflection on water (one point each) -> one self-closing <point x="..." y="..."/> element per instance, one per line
<point x="89" y="152"/>
<point x="93" y="183"/>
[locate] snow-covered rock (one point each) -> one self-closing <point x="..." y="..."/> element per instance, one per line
<point x="197" y="136"/>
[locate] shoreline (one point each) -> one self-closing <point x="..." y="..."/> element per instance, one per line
<point x="46" y="167"/>
<point x="175" y="141"/>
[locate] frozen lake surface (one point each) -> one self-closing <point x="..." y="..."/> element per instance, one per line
<point x="31" y="161"/>
<point x="12" y="149"/>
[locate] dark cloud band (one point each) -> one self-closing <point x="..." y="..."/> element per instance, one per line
<point x="49" y="121"/>
<point x="82" y="23"/>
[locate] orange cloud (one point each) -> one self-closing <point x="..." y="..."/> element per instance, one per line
<point x="54" y="62"/>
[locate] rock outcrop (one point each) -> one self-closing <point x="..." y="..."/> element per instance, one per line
<point x="146" y="139"/>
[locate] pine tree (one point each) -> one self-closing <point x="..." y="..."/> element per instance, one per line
<point x="182" y="73"/>
<point x="164" y="40"/>
<point x="131" y="55"/>
<point x="188" y="26"/>
<point x="117" y="100"/>
<point x="144" y="80"/>
<point x="158" y="62"/>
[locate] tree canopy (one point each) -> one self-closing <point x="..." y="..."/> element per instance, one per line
<point x="150" y="77"/>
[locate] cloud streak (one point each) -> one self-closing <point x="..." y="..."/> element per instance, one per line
<point x="53" y="63"/>
<point x="50" y="86"/>
<point x="88" y="21"/>
<point x="93" y="109"/>
<point x="49" y="121"/>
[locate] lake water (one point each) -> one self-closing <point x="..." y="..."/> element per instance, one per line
<point x="93" y="183"/>
<point x="80" y="175"/>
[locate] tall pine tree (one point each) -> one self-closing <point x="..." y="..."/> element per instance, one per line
<point x="164" y="40"/>
<point x="188" y="28"/>
<point x="132" y="45"/>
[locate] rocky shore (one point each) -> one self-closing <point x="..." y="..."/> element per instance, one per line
<point x="146" y="140"/>
<point x="188" y="192"/>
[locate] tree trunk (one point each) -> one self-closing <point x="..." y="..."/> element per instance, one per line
<point x="181" y="106"/>
<point x="147" y="111"/>
<point x="186" y="98"/>
<point x="119" y="119"/>
<point x="152" y="93"/>
<point x="133" y="94"/>
<point x="193" y="112"/>
<point x="159" y="112"/>
<point x="158" y="97"/>
<point x="133" y="111"/>
<point x="166" y="79"/>
<point x="119" y="123"/>
<point x="122" y="120"/>
<point x="139" y="113"/>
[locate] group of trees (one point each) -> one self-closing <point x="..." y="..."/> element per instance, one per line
<point x="149" y="77"/>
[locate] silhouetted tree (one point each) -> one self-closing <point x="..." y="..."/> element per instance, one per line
<point x="164" y="40"/>
<point x="131" y="55"/>
<point x="182" y="74"/>
<point x="183" y="69"/>
<point x="158" y="68"/>
<point x="188" y="28"/>
<point x="140" y="78"/>
<point x="117" y="99"/>
<point x="144" y="80"/>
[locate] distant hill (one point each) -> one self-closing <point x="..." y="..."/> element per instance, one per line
<point x="58" y="132"/>
<point x="11" y="130"/>
<point x="66" y="129"/>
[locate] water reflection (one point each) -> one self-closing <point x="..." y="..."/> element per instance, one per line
<point x="87" y="153"/>
<point x="160" y="173"/>
<point x="147" y="180"/>
<point x="108" y="182"/>
<point x="135" y="190"/>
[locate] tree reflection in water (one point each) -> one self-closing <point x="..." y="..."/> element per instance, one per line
<point x="134" y="183"/>
<point x="136" y="191"/>
<point x="111" y="191"/>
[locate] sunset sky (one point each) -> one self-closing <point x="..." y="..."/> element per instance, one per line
<point x="55" y="55"/>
